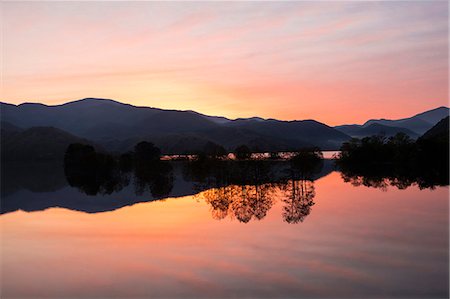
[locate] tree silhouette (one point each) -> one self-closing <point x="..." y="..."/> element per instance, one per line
<point x="156" y="177"/>
<point x="146" y="152"/>
<point x="397" y="161"/>
<point x="242" y="152"/>
<point x="214" y="150"/>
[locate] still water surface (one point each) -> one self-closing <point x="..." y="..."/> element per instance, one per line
<point x="334" y="240"/>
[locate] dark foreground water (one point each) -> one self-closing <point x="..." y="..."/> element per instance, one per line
<point x="299" y="239"/>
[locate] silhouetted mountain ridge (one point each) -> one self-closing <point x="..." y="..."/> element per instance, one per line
<point x="374" y="129"/>
<point x="114" y="124"/>
<point x="413" y="126"/>
<point x="118" y="127"/>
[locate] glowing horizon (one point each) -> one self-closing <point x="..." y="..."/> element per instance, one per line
<point x="329" y="61"/>
<point x="214" y="115"/>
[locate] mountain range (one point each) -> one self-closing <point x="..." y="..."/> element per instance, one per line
<point x="117" y="127"/>
<point x="413" y="126"/>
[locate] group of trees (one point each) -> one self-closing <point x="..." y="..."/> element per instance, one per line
<point x="242" y="152"/>
<point x="378" y="151"/>
<point x="96" y="172"/>
<point x="398" y="160"/>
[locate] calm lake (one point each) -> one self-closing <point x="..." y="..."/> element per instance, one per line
<point x="178" y="238"/>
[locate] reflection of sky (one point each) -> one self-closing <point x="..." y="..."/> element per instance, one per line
<point x="287" y="60"/>
<point x="356" y="242"/>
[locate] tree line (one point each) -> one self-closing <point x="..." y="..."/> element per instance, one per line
<point x="398" y="160"/>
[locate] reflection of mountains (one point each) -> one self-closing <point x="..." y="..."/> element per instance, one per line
<point x="36" y="187"/>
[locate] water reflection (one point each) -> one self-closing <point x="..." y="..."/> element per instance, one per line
<point x="252" y="202"/>
<point x="241" y="190"/>
<point x="33" y="176"/>
<point x="247" y="190"/>
<point x="298" y="200"/>
<point x="96" y="179"/>
<point x="99" y="174"/>
<point x="156" y="178"/>
<point x="359" y="243"/>
<point x="400" y="176"/>
<point x="356" y="242"/>
<point x="243" y="203"/>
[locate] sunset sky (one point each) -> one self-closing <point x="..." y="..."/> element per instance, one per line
<point x="336" y="62"/>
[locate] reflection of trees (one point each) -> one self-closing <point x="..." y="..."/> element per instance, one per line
<point x="252" y="202"/>
<point x="91" y="172"/>
<point x="219" y="199"/>
<point x="247" y="190"/>
<point x="247" y="202"/>
<point x="156" y="176"/>
<point x="239" y="189"/>
<point x="149" y="172"/>
<point x="298" y="191"/>
<point x="305" y="164"/>
<point x="298" y="198"/>
<point x="244" y="202"/>
<point x="97" y="173"/>
<point x="383" y="178"/>
<point x="358" y="180"/>
<point x="243" y="190"/>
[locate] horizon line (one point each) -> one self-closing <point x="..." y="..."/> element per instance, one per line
<point x="194" y="111"/>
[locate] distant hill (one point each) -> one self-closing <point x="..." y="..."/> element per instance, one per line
<point x="439" y="132"/>
<point x="433" y="116"/>
<point x="374" y="129"/>
<point x="117" y="126"/>
<point x="298" y="133"/>
<point x="418" y="123"/>
<point x="37" y="143"/>
<point x="413" y="126"/>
